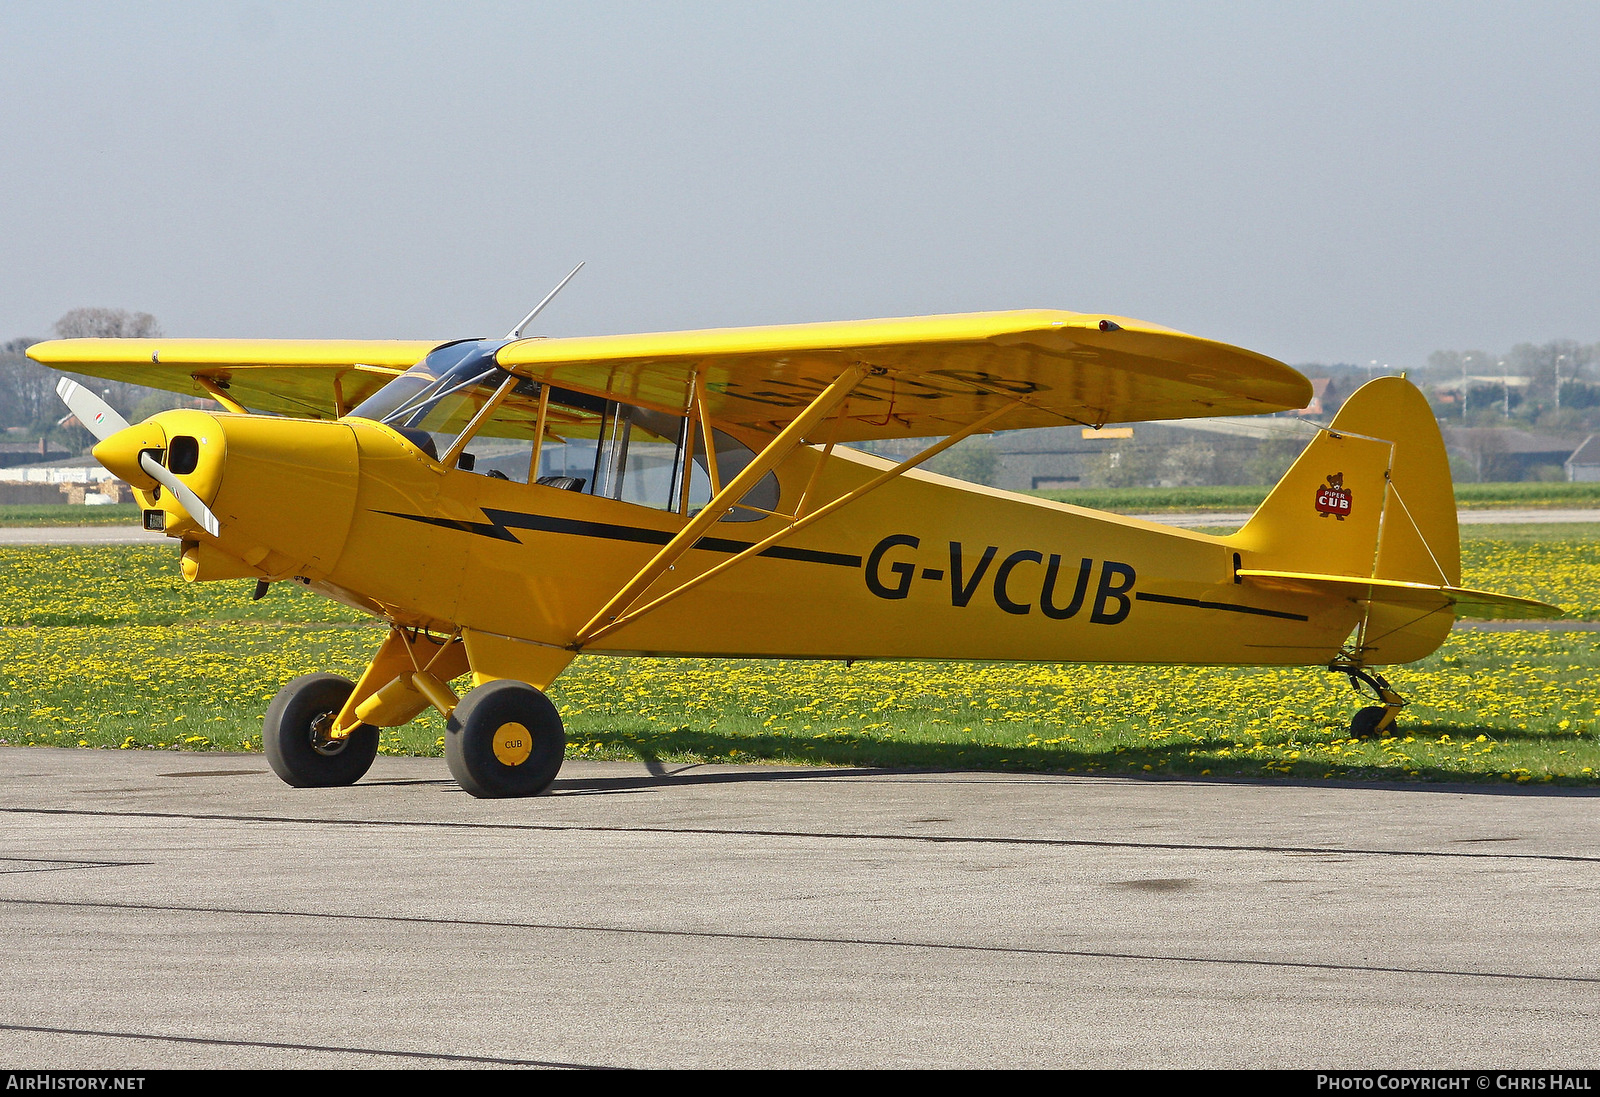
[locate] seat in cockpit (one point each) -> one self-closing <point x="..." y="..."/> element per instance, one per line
<point x="565" y="483"/>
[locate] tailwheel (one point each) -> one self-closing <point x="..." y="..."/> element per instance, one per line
<point x="297" y="734"/>
<point x="1364" y="724"/>
<point x="505" y="739"/>
<point x="1374" y="720"/>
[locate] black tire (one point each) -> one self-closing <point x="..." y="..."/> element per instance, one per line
<point x="1364" y="724"/>
<point x="532" y="740"/>
<point x="294" y="734"/>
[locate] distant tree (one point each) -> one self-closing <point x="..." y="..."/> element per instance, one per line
<point x="1579" y="394"/>
<point x="1484" y="449"/>
<point x="154" y="403"/>
<point x="26" y="393"/>
<point x="1127" y="465"/>
<point x="1191" y="463"/>
<point x="107" y="324"/>
<point x="1463" y="469"/>
<point x="1446" y="365"/>
<point x="974" y="460"/>
<point x="1537" y="404"/>
<point x="135" y="401"/>
<point x="28" y="390"/>
<point x="1272" y="459"/>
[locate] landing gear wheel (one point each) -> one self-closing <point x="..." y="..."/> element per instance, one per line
<point x="1374" y="719"/>
<point x="295" y="734"/>
<point x="1364" y="724"/>
<point x="505" y="739"/>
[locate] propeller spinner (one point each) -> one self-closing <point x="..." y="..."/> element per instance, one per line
<point x="102" y="420"/>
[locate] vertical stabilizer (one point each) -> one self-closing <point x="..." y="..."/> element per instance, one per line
<point x="1370" y="497"/>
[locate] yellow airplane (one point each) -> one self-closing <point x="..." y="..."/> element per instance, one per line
<point x="505" y="504"/>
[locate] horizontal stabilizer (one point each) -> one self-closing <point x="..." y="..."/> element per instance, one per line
<point x="1463" y="601"/>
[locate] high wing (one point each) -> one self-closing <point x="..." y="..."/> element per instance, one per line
<point x="306" y="378"/>
<point x="928" y="375"/>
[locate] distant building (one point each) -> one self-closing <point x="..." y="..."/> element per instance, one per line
<point x="1584" y="464"/>
<point x="1503" y="454"/>
<point x="70" y="480"/>
<point x="1068" y="457"/>
<point x="1063" y="458"/>
<point x="64" y="470"/>
<point x="1050" y="457"/>
<point x="27" y="453"/>
<point x="1324" y="399"/>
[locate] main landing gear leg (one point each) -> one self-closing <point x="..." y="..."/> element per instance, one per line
<point x="1375" y="720"/>
<point x="505" y="738"/>
<point x="321" y="730"/>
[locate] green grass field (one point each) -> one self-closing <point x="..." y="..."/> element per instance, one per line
<point x="1468" y="496"/>
<point x="108" y="647"/>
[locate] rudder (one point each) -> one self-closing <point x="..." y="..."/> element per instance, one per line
<point x="1370" y="497"/>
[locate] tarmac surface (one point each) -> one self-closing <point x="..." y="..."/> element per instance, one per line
<point x="79" y="535"/>
<point x="188" y="910"/>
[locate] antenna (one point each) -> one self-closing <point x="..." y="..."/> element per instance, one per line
<point x="516" y="332"/>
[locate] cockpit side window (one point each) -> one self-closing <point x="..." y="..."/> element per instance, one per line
<point x="640" y="457"/>
<point x="458" y="401"/>
<point x="569" y="453"/>
<point x="612" y="450"/>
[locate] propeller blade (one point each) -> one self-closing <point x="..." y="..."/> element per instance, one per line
<point x="97" y="416"/>
<point x="181" y="492"/>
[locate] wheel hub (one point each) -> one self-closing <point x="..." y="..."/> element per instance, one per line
<point x="512" y="744"/>
<point x="322" y="740"/>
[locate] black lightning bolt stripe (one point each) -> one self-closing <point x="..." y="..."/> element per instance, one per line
<point x="502" y="522"/>
<point x="1231" y="607"/>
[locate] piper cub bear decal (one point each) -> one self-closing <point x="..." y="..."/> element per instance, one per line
<point x="1333" y="497"/>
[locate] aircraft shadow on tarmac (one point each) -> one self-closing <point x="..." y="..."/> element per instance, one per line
<point x="757" y="758"/>
<point x="856" y="758"/>
<point x="670" y="775"/>
<point x="663" y="776"/>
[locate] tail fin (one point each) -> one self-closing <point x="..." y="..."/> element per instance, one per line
<point x="1369" y="498"/>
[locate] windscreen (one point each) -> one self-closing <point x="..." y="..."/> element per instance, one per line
<point x="433" y="400"/>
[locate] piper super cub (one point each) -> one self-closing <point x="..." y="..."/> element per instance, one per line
<point x="505" y="504"/>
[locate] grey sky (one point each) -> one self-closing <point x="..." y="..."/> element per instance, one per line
<point x="1333" y="182"/>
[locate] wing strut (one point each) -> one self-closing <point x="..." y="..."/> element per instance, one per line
<point x="770" y="456"/>
<point x="221" y="397"/>
<point x="800" y="521"/>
